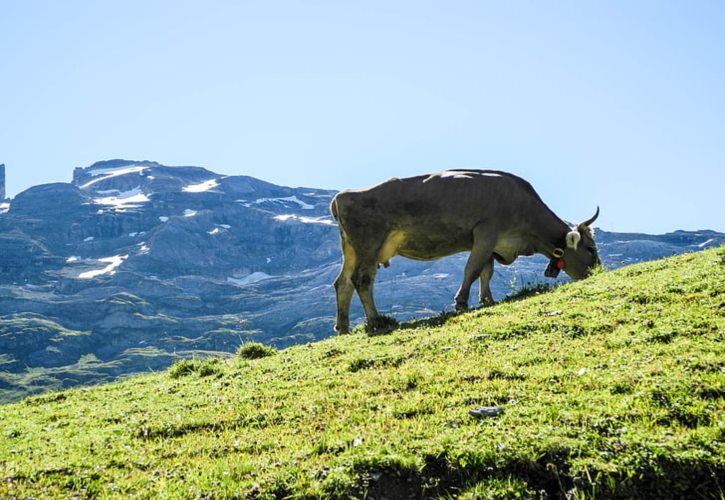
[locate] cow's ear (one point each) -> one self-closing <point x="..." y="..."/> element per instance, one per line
<point x="573" y="238"/>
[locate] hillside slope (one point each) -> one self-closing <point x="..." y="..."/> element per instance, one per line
<point x="610" y="387"/>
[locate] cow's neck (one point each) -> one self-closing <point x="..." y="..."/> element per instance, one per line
<point x="551" y="236"/>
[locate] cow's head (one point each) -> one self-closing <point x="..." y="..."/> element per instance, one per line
<point x="580" y="255"/>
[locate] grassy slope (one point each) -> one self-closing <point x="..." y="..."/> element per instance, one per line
<point x="613" y="386"/>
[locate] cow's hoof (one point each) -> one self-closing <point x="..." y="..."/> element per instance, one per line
<point x="342" y="330"/>
<point x="381" y="324"/>
<point x="461" y="306"/>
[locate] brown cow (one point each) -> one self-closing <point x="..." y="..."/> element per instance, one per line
<point x="492" y="214"/>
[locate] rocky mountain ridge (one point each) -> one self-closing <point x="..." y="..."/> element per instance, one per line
<point x="134" y="264"/>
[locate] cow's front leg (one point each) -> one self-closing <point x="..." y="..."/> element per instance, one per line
<point x="484" y="279"/>
<point x="470" y="274"/>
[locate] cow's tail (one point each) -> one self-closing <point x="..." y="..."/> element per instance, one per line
<point x="333" y="209"/>
<point x="338" y="210"/>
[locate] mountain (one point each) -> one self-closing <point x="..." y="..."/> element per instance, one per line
<point x="134" y="265"/>
<point x="611" y="387"/>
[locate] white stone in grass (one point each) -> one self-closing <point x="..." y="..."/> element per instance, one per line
<point x="486" y="411"/>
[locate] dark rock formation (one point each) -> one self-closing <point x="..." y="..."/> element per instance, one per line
<point x="2" y="182"/>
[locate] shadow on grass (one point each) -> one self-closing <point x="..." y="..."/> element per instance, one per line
<point x="548" y="474"/>
<point x="384" y="325"/>
<point x="433" y="321"/>
<point x="381" y="325"/>
<point x="530" y="290"/>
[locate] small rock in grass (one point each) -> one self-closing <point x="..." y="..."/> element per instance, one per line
<point x="486" y="411"/>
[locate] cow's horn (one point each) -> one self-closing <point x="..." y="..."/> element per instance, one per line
<point x="589" y="222"/>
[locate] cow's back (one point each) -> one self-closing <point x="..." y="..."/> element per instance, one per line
<point x="434" y="215"/>
<point x="460" y="195"/>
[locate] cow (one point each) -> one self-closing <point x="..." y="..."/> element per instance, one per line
<point x="493" y="214"/>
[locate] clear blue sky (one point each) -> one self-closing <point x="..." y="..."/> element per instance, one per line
<point x="618" y="103"/>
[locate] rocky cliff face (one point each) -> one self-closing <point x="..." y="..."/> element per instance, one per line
<point x="2" y="183"/>
<point x="135" y="264"/>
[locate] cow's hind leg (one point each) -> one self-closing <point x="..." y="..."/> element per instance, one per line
<point x="484" y="278"/>
<point x="344" y="287"/>
<point x="479" y="258"/>
<point x="363" y="279"/>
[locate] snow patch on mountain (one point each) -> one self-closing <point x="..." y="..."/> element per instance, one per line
<point x="132" y="198"/>
<point x="288" y="199"/>
<point x="305" y="220"/>
<point x="103" y="174"/>
<point x="4" y="207"/>
<point x="113" y="262"/>
<point x="202" y="187"/>
<point x="255" y="277"/>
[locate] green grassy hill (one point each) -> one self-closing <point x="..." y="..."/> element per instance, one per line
<point x="611" y="387"/>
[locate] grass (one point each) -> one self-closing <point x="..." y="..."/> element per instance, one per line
<point x="612" y="387"/>
<point x="255" y="350"/>
<point x="200" y="367"/>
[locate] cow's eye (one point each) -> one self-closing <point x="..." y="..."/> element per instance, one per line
<point x="592" y="250"/>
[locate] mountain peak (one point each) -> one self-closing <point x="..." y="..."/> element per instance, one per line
<point x="119" y="163"/>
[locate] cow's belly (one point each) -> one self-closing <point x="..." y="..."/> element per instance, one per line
<point x="422" y="246"/>
<point x="509" y="247"/>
